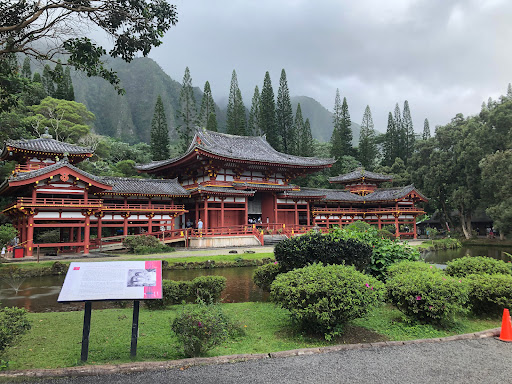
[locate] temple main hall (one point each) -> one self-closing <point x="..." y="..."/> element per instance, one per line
<point x="235" y="188"/>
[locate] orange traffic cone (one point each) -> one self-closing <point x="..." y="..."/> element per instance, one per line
<point x="506" y="327"/>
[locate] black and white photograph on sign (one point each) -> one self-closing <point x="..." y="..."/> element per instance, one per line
<point x="141" y="277"/>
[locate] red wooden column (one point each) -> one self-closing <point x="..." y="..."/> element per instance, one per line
<point x="125" y="223"/>
<point x="222" y="211"/>
<point x="30" y="234"/>
<point x="296" y="214"/>
<point x="415" y="229"/>
<point x="397" y="226"/>
<point x="197" y="212"/>
<point x="34" y="195"/>
<point x="87" y="233"/>
<point x="246" y="211"/>
<point x="275" y="207"/>
<point x="150" y="221"/>
<point x="99" y="216"/>
<point x="309" y="213"/>
<point x="205" y="212"/>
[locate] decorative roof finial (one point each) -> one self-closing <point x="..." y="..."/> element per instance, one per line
<point x="65" y="158"/>
<point x="46" y="135"/>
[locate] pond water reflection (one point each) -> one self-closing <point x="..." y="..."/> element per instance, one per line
<point x="442" y="257"/>
<point x="39" y="294"/>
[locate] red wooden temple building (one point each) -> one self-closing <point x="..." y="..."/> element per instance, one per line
<point x="236" y="185"/>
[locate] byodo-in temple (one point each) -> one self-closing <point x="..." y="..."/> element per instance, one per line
<point x="224" y="191"/>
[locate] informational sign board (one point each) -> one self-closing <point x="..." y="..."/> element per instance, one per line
<point x="112" y="280"/>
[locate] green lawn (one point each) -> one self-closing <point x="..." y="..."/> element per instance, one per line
<point x="54" y="340"/>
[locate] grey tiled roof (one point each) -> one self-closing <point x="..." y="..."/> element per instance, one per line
<point x="245" y="148"/>
<point x="263" y="186"/>
<point x="337" y="195"/>
<point x="50" y="168"/>
<point x="47" y="145"/>
<point x="357" y="174"/>
<point x="126" y="185"/>
<point x="226" y="190"/>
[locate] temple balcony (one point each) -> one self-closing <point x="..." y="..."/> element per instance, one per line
<point x="51" y="203"/>
<point x="360" y="211"/>
<point x="107" y="207"/>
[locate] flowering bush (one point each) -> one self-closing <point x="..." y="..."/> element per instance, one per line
<point x="201" y="327"/>
<point x="426" y="296"/>
<point x="265" y="275"/>
<point x="489" y="294"/>
<point x="476" y="266"/>
<point x="323" y="298"/>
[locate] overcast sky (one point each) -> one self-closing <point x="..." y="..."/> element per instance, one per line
<point x="443" y="56"/>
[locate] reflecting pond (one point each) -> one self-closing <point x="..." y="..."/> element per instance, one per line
<point x="442" y="257"/>
<point x="39" y="294"/>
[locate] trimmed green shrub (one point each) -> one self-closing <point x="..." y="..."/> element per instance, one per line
<point x="406" y="266"/>
<point x="300" y="251"/>
<point x="323" y="298"/>
<point x="208" y="288"/>
<point x="201" y="327"/>
<point x="385" y="234"/>
<point x="13" y="322"/>
<point x="386" y="252"/>
<point x="265" y="275"/>
<point x="490" y="294"/>
<point x="174" y="292"/>
<point x="428" y="297"/>
<point x="468" y="265"/>
<point x="145" y="244"/>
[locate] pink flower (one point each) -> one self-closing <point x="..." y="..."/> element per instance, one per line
<point x="199" y="324"/>
<point x="367" y="285"/>
<point x="429" y="307"/>
<point x="418" y="297"/>
<point x="275" y="262"/>
<point x="430" y="266"/>
<point x="371" y="288"/>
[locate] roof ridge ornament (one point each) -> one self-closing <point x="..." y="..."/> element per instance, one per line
<point x="46" y="134"/>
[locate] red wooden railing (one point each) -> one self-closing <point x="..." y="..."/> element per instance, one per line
<point x="43" y="201"/>
<point x="143" y="207"/>
<point x="28" y="167"/>
<point x="366" y="210"/>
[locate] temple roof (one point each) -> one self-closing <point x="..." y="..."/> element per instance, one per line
<point x="129" y="185"/>
<point x="221" y="190"/>
<point x="358" y="174"/>
<point x="241" y="148"/>
<point x="18" y="176"/>
<point x="336" y="195"/>
<point x="43" y="145"/>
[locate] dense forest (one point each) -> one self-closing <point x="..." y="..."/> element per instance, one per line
<point x="460" y="166"/>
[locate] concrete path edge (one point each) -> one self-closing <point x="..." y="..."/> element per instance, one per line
<point x="91" y="370"/>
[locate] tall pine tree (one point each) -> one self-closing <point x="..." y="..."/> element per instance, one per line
<point x="390" y="143"/>
<point x="253" y="124"/>
<point x="306" y="140"/>
<point x="26" y="71"/>
<point x="187" y="112"/>
<point x="367" y="147"/>
<point x="207" y="117"/>
<point x="408" y="132"/>
<point x="268" y="113"/>
<point x="400" y="133"/>
<point x="159" y="133"/>
<point x="341" y="139"/>
<point x="284" y="113"/>
<point x="426" y="130"/>
<point x="68" y="85"/>
<point x="235" y="120"/>
<point x="47" y="81"/>
<point x="61" y="91"/>
<point x="298" y="130"/>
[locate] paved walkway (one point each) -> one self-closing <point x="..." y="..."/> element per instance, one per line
<point x="473" y="361"/>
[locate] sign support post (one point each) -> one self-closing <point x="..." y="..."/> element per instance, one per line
<point x="135" y="329"/>
<point x="87" y="329"/>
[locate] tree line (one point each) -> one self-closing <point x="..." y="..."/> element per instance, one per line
<point x="268" y="116"/>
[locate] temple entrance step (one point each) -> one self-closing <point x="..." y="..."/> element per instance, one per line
<point x="273" y="239"/>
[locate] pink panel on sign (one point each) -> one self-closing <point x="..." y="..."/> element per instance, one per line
<point x="156" y="291"/>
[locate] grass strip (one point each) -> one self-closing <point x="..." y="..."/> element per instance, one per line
<point x="54" y="340"/>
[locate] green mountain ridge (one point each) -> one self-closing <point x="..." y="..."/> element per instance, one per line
<point x="128" y="117"/>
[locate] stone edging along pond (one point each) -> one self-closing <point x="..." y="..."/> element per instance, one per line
<point x="91" y="370"/>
